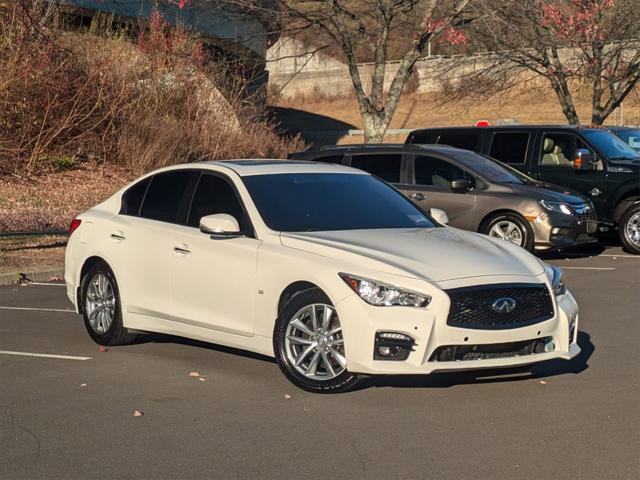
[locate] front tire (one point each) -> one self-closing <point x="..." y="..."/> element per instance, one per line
<point x="629" y="229"/>
<point x="309" y="344"/>
<point x="101" y="308"/>
<point x="510" y="227"/>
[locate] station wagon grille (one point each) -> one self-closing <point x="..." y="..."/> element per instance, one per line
<point x="495" y="307"/>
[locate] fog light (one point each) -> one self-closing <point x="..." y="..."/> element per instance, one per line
<point x="392" y="346"/>
<point x="550" y="346"/>
<point x="559" y="233"/>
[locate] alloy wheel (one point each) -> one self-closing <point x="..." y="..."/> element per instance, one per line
<point x="314" y="342"/>
<point x="633" y="229"/>
<point x="507" y="230"/>
<point x="100" y="303"/>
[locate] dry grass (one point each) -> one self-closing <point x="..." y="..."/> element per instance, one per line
<point x="537" y="106"/>
<point x="50" y="201"/>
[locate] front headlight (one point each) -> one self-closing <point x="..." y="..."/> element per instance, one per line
<point x="382" y="294"/>
<point x="559" y="207"/>
<point x="556" y="277"/>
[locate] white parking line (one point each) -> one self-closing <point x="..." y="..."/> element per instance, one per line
<point x="587" y="268"/>
<point x="43" y="355"/>
<point x="34" y="309"/>
<point x="49" y="284"/>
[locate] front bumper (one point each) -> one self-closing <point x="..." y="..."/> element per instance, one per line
<point x="428" y="327"/>
<point x="554" y="230"/>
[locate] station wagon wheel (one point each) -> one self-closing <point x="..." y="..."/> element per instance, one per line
<point x="309" y="344"/>
<point x="510" y="227"/>
<point x="101" y="306"/>
<point x="629" y="229"/>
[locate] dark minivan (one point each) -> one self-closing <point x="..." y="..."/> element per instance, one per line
<point x="591" y="161"/>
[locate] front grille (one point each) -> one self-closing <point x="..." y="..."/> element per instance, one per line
<point x="584" y="212"/>
<point x="463" y="353"/>
<point x="479" y="307"/>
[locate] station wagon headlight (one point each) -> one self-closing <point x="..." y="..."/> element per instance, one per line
<point x="556" y="277"/>
<point x="559" y="207"/>
<point x="381" y="294"/>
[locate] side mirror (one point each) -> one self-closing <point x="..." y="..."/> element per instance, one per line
<point x="220" y="224"/>
<point x="460" y="186"/>
<point x="439" y="216"/>
<point x="584" y="159"/>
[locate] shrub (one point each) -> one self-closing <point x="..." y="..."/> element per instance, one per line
<point x="68" y="97"/>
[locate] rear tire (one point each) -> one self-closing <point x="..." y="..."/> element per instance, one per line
<point x="101" y="307"/>
<point x="629" y="229"/>
<point x="309" y="345"/>
<point x="510" y="227"/>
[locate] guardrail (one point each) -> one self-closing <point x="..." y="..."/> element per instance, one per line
<point x="34" y="234"/>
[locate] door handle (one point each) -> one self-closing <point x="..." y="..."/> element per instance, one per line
<point x="181" y="249"/>
<point x="418" y="196"/>
<point x="118" y="235"/>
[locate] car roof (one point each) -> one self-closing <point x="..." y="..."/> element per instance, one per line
<point x="515" y="126"/>
<point x="328" y="150"/>
<point x="248" y="167"/>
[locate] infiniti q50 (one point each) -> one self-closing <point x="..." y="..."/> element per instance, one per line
<point x="326" y="268"/>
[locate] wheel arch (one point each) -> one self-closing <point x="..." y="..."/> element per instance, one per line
<point x="625" y="198"/>
<point x="293" y="289"/>
<point x="494" y="213"/>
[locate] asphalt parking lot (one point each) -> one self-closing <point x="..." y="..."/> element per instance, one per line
<point x="72" y="416"/>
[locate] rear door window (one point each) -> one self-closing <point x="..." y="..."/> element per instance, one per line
<point x="466" y="140"/>
<point x="385" y="166"/>
<point x="168" y="196"/>
<point x="510" y="147"/>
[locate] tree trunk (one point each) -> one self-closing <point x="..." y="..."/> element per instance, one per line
<point x="375" y="127"/>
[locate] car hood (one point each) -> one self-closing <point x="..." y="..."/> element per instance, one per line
<point x="550" y="193"/>
<point x="433" y="254"/>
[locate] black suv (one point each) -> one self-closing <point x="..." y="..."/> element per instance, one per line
<point x="477" y="193"/>
<point x="591" y="161"/>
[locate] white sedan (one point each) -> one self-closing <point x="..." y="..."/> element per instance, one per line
<point x="326" y="268"/>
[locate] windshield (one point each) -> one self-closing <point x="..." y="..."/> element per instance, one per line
<point x="307" y="202"/>
<point x="631" y="137"/>
<point x="609" y="145"/>
<point x="492" y="169"/>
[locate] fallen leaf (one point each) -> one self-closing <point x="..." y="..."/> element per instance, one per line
<point x="83" y="384"/>
<point x="103" y="349"/>
<point x="542" y="382"/>
<point x="138" y="413"/>
<point x="202" y="379"/>
<point x="194" y="374"/>
<point x="56" y="278"/>
<point x="286" y="396"/>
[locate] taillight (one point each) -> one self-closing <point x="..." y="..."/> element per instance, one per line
<point x="75" y="223"/>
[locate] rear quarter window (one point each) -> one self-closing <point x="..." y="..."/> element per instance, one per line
<point x="132" y="198"/>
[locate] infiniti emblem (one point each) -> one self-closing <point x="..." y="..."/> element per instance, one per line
<point x="503" y="305"/>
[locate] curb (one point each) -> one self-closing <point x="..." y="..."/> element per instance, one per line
<point x="36" y="276"/>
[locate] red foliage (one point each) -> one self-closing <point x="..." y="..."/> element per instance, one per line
<point x="578" y="23"/>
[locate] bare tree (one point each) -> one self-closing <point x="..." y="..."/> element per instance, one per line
<point x="571" y="43"/>
<point x="348" y="25"/>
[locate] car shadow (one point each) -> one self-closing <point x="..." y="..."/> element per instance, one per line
<point x="591" y="250"/>
<point x="550" y="368"/>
